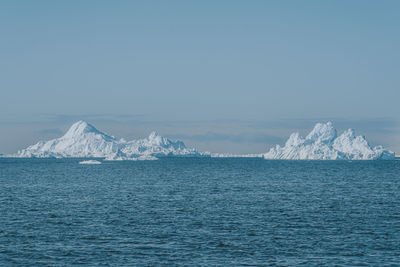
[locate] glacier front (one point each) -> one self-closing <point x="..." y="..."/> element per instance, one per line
<point x="322" y="143"/>
<point x="83" y="140"/>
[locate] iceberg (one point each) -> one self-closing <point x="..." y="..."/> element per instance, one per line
<point x="322" y="143"/>
<point x="83" y="140"/>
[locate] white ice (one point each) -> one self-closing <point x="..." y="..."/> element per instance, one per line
<point x="90" y="162"/>
<point x="83" y="140"/>
<point x="322" y="143"/>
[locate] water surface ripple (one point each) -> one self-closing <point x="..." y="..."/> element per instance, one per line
<point x="209" y="212"/>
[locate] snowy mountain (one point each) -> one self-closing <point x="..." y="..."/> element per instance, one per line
<point x="83" y="140"/>
<point x="322" y="143"/>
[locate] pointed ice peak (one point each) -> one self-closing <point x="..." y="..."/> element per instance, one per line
<point x="322" y="132"/>
<point x="153" y="135"/>
<point x="348" y="133"/>
<point x="156" y="139"/>
<point x="81" y="128"/>
<point x="294" y="140"/>
<point x="349" y="139"/>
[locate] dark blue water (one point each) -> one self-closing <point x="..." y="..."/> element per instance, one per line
<point x="208" y="212"/>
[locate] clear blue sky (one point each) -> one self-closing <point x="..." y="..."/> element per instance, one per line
<point x="237" y="76"/>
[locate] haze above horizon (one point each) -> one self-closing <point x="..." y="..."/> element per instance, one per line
<point x="228" y="76"/>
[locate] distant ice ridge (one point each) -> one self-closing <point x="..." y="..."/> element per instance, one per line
<point x="322" y="143"/>
<point x="83" y="140"/>
<point x="229" y="155"/>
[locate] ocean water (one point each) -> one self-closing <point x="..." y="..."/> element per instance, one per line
<point x="201" y="212"/>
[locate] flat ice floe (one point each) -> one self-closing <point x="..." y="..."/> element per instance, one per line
<point x="322" y="143"/>
<point x="90" y="162"/>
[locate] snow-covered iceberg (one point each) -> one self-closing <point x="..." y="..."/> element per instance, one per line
<point x="83" y="140"/>
<point x="322" y="143"/>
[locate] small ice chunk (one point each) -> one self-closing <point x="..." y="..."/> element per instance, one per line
<point x="90" y="162"/>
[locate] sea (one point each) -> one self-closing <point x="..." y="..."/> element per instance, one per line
<point x="199" y="212"/>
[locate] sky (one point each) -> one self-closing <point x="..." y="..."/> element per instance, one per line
<point x="223" y="76"/>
